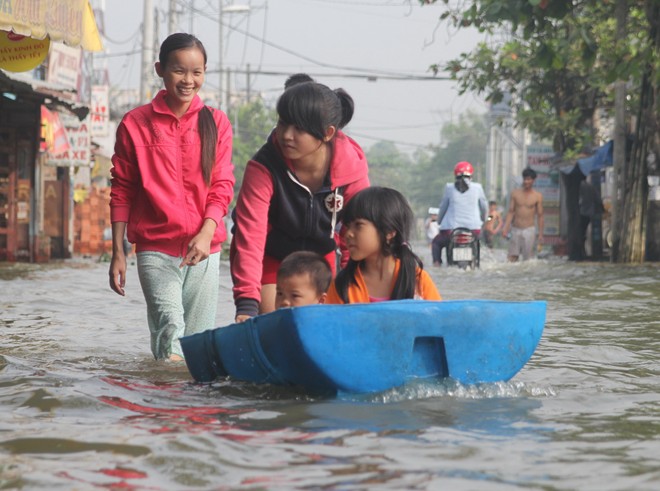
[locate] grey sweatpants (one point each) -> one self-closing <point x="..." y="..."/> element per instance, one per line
<point x="180" y="301"/>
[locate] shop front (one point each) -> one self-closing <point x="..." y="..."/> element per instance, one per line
<point x="19" y="137"/>
<point x="35" y="192"/>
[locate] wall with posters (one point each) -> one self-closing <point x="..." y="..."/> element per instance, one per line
<point x="540" y="159"/>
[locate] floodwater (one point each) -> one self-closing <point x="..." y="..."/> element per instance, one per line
<point x="84" y="406"/>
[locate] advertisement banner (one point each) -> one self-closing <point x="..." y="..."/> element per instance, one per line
<point x="21" y="54"/>
<point x="64" y="65"/>
<point x="100" y="112"/>
<point x="54" y="138"/>
<point x="539" y="158"/>
<point x="79" y="152"/>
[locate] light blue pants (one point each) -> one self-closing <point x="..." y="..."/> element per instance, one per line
<point x="180" y="301"/>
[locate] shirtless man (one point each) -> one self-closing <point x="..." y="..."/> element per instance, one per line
<point x="493" y="223"/>
<point x="525" y="204"/>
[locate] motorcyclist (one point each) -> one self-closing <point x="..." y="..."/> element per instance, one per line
<point x="463" y="205"/>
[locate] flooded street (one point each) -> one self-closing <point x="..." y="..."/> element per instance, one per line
<point x="83" y="405"/>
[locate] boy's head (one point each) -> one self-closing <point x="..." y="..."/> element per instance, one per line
<point x="529" y="175"/>
<point x="492" y="205"/>
<point x="303" y="278"/>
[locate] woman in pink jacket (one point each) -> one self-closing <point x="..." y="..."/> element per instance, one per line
<point x="293" y="192"/>
<point x="172" y="185"/>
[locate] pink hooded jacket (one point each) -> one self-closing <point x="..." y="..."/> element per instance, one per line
<point x="157" y="182"/>
<point x="348" y="169"/>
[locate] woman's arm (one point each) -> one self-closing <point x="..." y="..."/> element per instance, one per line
<point x="125" y="182"/>
<point x="249" y="240"/>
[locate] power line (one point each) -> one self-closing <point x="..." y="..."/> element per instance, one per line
<point x="380" y="139"/>
<point x="368" y="76"/>
<point x="362" y="72"/>
<point x="114" y="55"/>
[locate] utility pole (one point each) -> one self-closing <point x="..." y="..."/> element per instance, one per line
<point x="220" y="54"/>
<point x="247" y="83"/>
<point x="173" y="18"/>
<point x="619" y="151"/>
<point x="228" y="90"/>
<point x="230" y="9"/>
<point x="154" y="85"/>
<point x="147" y="51"/>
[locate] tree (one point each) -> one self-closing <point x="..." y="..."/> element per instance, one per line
<point x="422" y="176"/>
<point x="632" y="206"/>
<point x="559" y="59"/>
<point x="465" y="139"/>
<point x="252" y="125"/>
<point x="389" y="167"/>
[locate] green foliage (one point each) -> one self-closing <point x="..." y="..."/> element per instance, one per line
<point x="252" y="123"/>
<point x="465" y="139"/>
<point x="422" y="177"/>
<point x="388" y="166"/>
<point x="557" y="58"/>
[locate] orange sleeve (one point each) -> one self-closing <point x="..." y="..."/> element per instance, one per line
<point x="426" y="287"/>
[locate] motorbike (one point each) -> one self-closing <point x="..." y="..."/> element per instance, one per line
<point x="463" y="249"/>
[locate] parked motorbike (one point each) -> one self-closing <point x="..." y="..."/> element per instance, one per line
<point x="463" y="249"/>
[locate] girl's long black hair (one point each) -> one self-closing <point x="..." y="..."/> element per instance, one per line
<point x="313" y="107"/>
<point x="389" y="211"/>
<point x="208" y="132"/>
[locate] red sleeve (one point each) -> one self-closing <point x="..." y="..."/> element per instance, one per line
<point x="221" y="191"/>
<point x="349" y="191"/>
<point x="249" y="240"/>
<point x="125" y="176"/>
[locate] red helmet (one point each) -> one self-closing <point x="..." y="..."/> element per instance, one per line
<point x="463" y="169"/>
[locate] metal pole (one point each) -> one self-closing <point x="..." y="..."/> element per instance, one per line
<point x="147" y="51"/>
<point x="247" y="81"/>
<point x="619" y="150"/>
<point x="155" y="81"/>
<point x="228" y="90"/>
<point x="173" y="19"/>
<point x="220" y="54"/>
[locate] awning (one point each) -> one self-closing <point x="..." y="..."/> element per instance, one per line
<point x="20" y="83"/>
<point x="601" y="157"/>
<point x="68" y="21"/>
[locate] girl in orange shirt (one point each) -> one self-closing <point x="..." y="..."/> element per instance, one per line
<point x="377" y="226"/>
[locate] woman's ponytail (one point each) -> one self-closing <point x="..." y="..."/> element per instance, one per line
<point x="406" y="282"/>
<point x="208" y="134"/>
<point x="347" y="107"/>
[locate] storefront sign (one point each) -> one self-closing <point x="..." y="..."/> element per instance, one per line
<point x="53" y="135"/>
<point x="19" y="53"/>
<point x="64" y="65"/>
<point x="100" y="113"/>
<point x="79" y="152"/>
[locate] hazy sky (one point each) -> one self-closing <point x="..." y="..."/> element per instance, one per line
<point x="330" y="39"/>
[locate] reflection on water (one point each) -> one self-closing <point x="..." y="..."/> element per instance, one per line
<point x="84" y="406"/>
